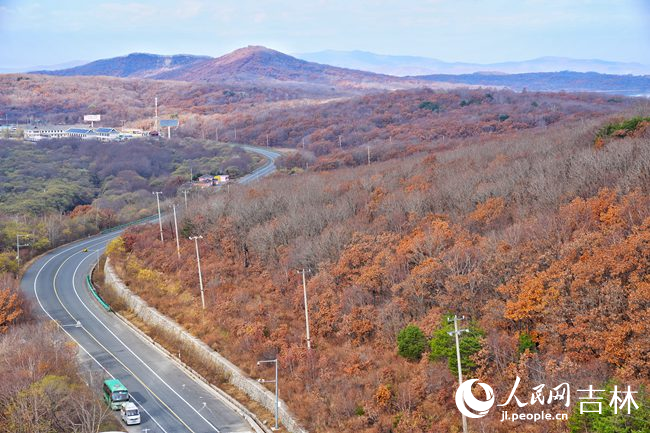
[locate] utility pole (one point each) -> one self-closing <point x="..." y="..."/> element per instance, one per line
<point x="185" y="194"/>
<point x="216" y="133"/>
<point x="235" y="135"/>
<point x="340" y="143"/>
<point x="18" y="245"/>
<point x="277" y="400"/>
<point x="368" y="155"/>
<point x="178" y="245"/>
<point x="303" y="142"/>
<point x="155" y="124"/>
<point x="456" y="333"/>
<point x="267" y="140"/>
<point x="162" y="239"/>
<point x="198" y="264"/>
<point x="304" y="292"/>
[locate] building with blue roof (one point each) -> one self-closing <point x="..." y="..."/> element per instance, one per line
<point x="78" y="132"/>
<point x="37" y="133"/>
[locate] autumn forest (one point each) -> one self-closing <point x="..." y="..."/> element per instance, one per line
<point x="539" y="237"/>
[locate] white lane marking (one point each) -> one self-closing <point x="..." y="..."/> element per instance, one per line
<point x="74" y="287"/>
<point x="135" y="376"/>
<point x="69" y="335"/>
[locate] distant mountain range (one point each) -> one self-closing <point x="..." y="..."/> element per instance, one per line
<point x="250" y="65"/>
<point x="412" y="65"/>
<point x="54" y="67"/>
<point x="628" y="85"/>
<point x="260" y="66"/>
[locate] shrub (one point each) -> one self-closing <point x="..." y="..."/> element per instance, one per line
<point x="411" y="342"/>
<point x="428" y="105"/>
<point x="626" y="126"/>
<point x="526" y="342"/>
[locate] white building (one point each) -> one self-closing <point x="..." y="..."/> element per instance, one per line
<point x="103" y="134"/>
<point x="78" y="132"/>
<point x="43" y="132"/>
<point x="83" y="132"/>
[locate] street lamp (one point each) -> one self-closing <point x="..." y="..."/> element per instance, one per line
<point x="277" y="401"/>
<point x="18" y="245"/>
<point x="198" y="264"/>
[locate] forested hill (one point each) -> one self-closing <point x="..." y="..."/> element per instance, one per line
<point x="58" y="175"/>
<point x="133" y="65"/>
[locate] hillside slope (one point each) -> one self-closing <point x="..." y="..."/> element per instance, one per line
<point x="139" y="65"/>
<point x="534" y="237"/>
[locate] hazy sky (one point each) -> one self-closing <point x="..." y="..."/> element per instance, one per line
<point x="55" y="31"/>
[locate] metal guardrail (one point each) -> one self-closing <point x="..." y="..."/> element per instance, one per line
<point x="129" y="224"/>
<point x="96" y="295"/>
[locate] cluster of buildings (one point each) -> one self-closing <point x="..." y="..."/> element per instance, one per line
<point x="45" y="132"/>
<point x="207" y="180"/>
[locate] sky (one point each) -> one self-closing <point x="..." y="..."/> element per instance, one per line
<point x="52" y="32"/>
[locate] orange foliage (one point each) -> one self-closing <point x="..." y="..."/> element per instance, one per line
<point x="10" y="308"/>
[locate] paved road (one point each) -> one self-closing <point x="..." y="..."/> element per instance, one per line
<point x="265" y="170"/>
<point x="170" y="400"/>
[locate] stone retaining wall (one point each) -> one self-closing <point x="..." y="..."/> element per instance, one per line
<point x="234" y="375"/>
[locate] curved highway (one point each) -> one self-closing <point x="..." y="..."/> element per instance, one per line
<point x="266" y="169"/>
<point x="169" y="399"/>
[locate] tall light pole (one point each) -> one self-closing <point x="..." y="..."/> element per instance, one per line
<point x="178" y="245"/>
<point x="157" y="193"/>
<point x="456" y="333"/>
<point x="304" y="293"/>
<point x="185" y="194"/>
<point x="277" y="400"/>
<point x="18" y="245"/>
<point x="198" y="264"/>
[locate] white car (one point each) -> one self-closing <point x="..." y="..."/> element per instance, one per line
<point x="130" y="413"/>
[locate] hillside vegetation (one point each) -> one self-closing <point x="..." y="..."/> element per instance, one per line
<point x="300" y="118"/>
<point x="540" y="238"/>
<point x="59" y="190"/>
<point x="414" y="118"/>
<point x="43" y="389"/>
